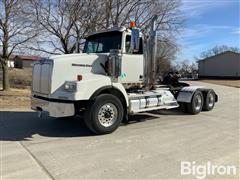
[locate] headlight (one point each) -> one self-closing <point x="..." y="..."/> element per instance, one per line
<point x="70" y="86"/>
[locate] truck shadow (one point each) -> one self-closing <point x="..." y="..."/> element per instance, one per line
<point x="18" y="126"/>
<point x="141" y="117"/>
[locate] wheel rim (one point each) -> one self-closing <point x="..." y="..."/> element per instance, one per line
<point x="107" y="114"/>
<point x="198" y="102"/>
<point x="210" y="100"/>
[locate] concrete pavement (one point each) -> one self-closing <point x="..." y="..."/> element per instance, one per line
<point x="151" y="146"/>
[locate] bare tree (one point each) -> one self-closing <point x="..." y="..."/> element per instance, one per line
<point x="121" y="12"/>
<point x="15" y="31"/>
<point x="67" y="22"/>
<point x="216" y="50"/>
<point x="186" y="68"/>
<point x="182" y="67"/>
<point x="169" y="24"/>
<point x="55" y="21"/>
<point x="165" y="56"/>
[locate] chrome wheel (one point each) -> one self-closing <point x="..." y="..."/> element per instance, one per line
<point x="211" y="100"/>
<point x="107" y="114"/>
<point x="198" y="102"/>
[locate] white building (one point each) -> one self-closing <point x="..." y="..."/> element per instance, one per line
<point x="223" y="65"/>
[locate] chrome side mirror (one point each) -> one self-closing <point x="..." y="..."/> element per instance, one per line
<point x="115" y="64"/>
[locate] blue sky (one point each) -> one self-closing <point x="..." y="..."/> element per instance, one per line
<point x="208" y="23"/>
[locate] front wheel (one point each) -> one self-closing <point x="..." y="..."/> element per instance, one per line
<point x="104" y="114"/>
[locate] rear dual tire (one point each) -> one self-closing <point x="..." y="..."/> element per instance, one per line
<point x="199" y="102"/>
<point x="196" y="104"/>
<point x="209" y="101"/>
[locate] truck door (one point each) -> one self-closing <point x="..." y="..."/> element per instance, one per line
<point x="132" y="62"/>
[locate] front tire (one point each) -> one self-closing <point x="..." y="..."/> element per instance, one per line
<point x="104" y="114"/>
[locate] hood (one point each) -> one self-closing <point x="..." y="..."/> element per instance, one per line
<point x="67" y="67"/>
<point x="63" y="56"/>
<point x="80" y="63"/>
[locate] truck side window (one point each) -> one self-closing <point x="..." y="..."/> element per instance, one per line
<point x="128" y="44"/>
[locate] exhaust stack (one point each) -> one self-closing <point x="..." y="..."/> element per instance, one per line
<point x="150" y="47"/>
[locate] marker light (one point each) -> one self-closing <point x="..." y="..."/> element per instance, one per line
<point x="132" y="24"/>
<point x="79" y="77"/>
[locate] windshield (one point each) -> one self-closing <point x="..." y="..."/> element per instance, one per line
<point x="102" y="43"/>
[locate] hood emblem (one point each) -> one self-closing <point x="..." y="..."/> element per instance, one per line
<point x="82" y="65"/>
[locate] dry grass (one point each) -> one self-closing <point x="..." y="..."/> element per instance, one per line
<point x="15" y="98"/>
<point x="19" y="94"/>
<point x="231" y="83"/>
<point x="20" y="78"/>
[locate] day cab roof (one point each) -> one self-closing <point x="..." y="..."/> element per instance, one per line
<point x="114" y="29"/>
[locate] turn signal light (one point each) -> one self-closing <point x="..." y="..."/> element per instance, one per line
<point x="79" y="77"/>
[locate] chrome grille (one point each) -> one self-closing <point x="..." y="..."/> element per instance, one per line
<point x="42" y="72"/>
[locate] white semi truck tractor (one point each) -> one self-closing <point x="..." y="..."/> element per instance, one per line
<point x="112" y="78"/>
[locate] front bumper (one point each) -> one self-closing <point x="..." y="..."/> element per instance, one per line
<point x="54" y="109"/>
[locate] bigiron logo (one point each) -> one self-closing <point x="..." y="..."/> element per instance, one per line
<point x="201" y="171"/>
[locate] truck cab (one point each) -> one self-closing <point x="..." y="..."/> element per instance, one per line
<point x="106" y="83"/>
<point x="119" y="39"/>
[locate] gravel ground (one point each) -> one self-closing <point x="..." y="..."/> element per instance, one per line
<point x="231" y="83"/>
<point x="152" y="146"/>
